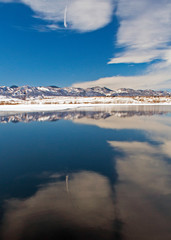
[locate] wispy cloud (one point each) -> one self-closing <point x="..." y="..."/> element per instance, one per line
<point x="160" y="79"/>
<point x="82" y="15"/>
<point x="144" y="32"/>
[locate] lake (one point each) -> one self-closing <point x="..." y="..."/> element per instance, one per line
<point x="93" y="173"/>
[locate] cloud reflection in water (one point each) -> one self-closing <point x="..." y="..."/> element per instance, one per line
<point x="83" y="210"/>
<point x="86" y="207"/>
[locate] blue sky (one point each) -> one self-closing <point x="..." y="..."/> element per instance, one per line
<point x="104" y="42"/>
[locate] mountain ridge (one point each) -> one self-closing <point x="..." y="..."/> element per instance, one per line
<point x="41" y="92"/>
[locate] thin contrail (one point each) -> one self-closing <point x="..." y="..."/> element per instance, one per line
<point x="65" y="15"/>
<point x="67" y="185"/>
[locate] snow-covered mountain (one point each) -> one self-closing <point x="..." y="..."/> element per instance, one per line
<point x="27" y="92"/>
<point x="72" y="115"/>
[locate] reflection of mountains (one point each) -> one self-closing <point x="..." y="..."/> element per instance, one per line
<point x="71" y="115"/>
<point x="82" y="202"/>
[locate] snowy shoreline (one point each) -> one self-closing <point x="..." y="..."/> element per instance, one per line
<point x="58" y="107"/>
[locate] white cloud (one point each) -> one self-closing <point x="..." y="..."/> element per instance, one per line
<point x="144" y="34"/>
<point x="82" y="15"/>
<point x="88" y="15"/>
<point x="153" y="80"/>
<point x="137" y="56"/>
<point x="145" y="30"/>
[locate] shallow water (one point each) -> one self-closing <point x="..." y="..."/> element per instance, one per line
<point x="96" y="173"/>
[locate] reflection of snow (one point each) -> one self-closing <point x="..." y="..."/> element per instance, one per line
<point x="148" y="119"/>
<point x="86" y="115"/>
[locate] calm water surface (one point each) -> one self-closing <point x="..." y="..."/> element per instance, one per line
<point x="98" y="173"/>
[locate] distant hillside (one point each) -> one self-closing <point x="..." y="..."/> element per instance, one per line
<point x="27" y="92"/>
